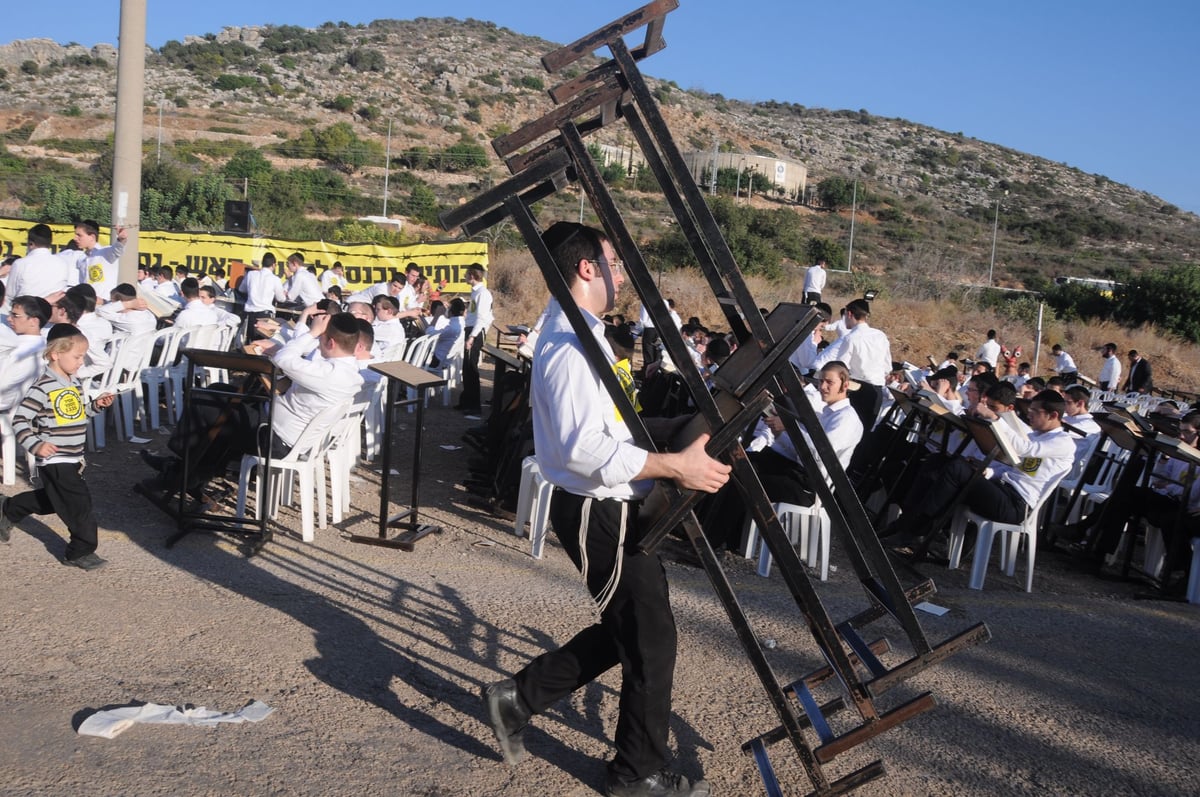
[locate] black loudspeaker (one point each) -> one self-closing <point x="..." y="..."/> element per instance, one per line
<point x="237" y="215"/>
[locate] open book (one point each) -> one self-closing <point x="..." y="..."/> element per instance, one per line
<point x="161" y="306"/>
<point x="1177" y="446"/>
<point x="992" y="440"/>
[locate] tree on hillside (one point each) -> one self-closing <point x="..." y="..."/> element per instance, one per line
<point x="835" y="192"/>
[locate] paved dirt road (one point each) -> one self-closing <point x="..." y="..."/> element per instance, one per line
<point x="373" y="659"/>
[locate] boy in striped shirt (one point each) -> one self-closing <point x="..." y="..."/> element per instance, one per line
<point x="51" y="423"/>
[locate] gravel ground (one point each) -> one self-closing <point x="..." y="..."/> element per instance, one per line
<point x="373" y="659"/>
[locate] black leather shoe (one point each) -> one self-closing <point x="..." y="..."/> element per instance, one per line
<point x="156" y="461"/>
<point x="5" y="524"/>
<point x="661" y="784"/>
<point x="508" y="717"/>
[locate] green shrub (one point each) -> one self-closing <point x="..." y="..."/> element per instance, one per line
<point x="530" y="82"/>
<point x="228" y="82"/>
<point x="366" y="60"/>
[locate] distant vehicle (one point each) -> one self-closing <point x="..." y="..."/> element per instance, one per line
<point x="1105" y="287"/>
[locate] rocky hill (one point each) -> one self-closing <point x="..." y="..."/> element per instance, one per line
<point x="439" y="81"/>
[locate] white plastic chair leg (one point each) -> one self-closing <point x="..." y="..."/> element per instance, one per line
<point x="541" y="517"/>
<point x="526" y="495"/>
<point x="8" y="450"/>
<point x="1193" y="587"/>
<point x="983" y="551"/>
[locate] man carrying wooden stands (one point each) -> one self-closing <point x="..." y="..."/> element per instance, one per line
<point x="586" y="451"/>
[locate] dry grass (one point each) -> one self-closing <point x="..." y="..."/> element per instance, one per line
<point x="917" y="328"/>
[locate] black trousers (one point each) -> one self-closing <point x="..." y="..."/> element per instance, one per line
<point x="812" y="297"/>
<point x="221" y="427"/>
<point x="650" y="353"/>
<point x="936" y="488"/>
<point x="471" y="398"/>
<point x="63" y="493"/>
<point x="636" y="630"/>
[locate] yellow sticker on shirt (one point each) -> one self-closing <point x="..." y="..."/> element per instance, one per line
<point x="68" y="405"/>
<point x="1029" y="465"/>
<point x="96" y="273"/>
<point x="624" y="371"/>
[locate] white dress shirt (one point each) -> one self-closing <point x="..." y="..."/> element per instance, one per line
<point x="169" y="289"/>
<point x="98" y="267"/>
<point x="20" y="368"/>
<point x="127" y="322"/>
<point x="842" y="426"/>
<point x="1083" y="422"/>
<point x="1064" y="363"/>
<point x="448" y="335"/>
<point x="479" y="311"/>
<point x="98" y="333"/>
<point x="582" y="447"/>
<point x="387" y="334"/>
<point x="814" y="279"/>
<point x="989" y="352"/>
<point x="806" y="353"/>
<point x="329" y="279"/>
<point x="867" y="352"/>
<point x="1110" y="372"/>
<point x="367" y="295"/>
<point x="39" y="273"/>
<point x="303" y="287"/>
<point x="1044" y="456"/>
<point x="262" y="288"/>
<point x="195" y="314"/>
<point x="316" y="384"/>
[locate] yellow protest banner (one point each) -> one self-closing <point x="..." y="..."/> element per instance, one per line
<point x="443" y="264"/>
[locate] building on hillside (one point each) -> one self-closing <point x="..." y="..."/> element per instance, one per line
<point x="787" y="175"/>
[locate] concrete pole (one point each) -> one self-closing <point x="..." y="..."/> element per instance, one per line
<point x="127" y="138"/>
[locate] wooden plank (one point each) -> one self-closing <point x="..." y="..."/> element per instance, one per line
<point x="538" y="172"/>
<point x="520" y="162"/>
<point x="606" y="92"/>
<point x="975" y="635"/>
<point x="847" y="741"/>
<point x="565" y="56"/>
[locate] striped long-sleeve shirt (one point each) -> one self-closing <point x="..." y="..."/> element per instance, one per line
<point x="53" y="411"/>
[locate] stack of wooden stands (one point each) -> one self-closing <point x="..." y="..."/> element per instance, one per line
<point x="548" y="154"/>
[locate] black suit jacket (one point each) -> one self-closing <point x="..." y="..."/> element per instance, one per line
<point x="1141" y="379"/>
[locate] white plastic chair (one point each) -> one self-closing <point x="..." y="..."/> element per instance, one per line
<point x="99" y="385"/>
<point x="306" y="460"/>
<point x="126" y="385"/>
<point x="341" y="454"/>
<point x="533" y="505"/>
<point x="155" y="377"/>
<point x="449" y="369"/>
<point x="8" y="438"/>
<point x="806" y="526"/>
<point x="1012" y="535"/>
<point x="8" y="449"/>
<point x="419" y="353"/>
<point x="1066" y="487"/>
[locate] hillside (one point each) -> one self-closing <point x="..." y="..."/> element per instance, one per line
<point x="443" y="81"/>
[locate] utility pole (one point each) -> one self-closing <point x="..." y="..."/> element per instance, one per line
<point x="158" y="151"/>
<point x="995" y="229"/>
<point x="712" y="185"/>
<point x="853" y="213"/>
<point x="127" y="136"/>
<point x="387" y="167"/>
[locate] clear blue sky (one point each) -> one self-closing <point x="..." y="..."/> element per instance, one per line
<point x="1111" y="88"/>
